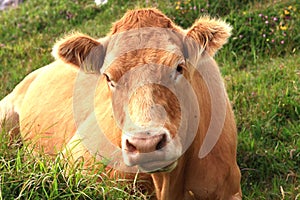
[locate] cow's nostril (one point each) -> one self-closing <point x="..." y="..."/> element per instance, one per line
<point x="162" y="143"/>
<point x="130" y="147"/>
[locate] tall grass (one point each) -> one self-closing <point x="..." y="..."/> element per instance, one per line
<point x="260" y="71"/>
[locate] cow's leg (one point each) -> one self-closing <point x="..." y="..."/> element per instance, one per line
<point x="237" y="196"/>
<point x="11" y="104"/>
<point x="234" y="183"/>
<point x="74" y="151"/>
<point x="9" y="117"/>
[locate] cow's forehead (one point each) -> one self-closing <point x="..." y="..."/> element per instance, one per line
<point x="154" y="38"/>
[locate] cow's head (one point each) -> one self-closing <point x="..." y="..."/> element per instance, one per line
<point x="145" y="102"/>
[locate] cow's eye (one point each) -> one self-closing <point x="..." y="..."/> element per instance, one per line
<point x="109" y="81"/>
<point x="179" y="69"/>
<point x="107" y="77"/>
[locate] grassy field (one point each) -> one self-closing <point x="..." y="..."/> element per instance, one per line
<point x="260" y="65"/>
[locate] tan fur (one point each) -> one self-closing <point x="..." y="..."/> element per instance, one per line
<point x="43" y="104"/>
<point x="74" y="48"/>
<point x="212" y="34"/>
<point x="142" y="18"/>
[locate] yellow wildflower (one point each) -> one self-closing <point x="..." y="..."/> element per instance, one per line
<point x="177" y="7"/>
<point x="244" y="13"/>
<point x="283" y="28"/>
<point x="290" y="7"/>
<point x="286" y="12"/>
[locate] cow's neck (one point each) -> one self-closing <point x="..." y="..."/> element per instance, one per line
<point x="162" y="185"/>
<point x="169" y="185"/>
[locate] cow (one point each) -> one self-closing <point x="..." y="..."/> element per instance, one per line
<point x="147" y="98"/>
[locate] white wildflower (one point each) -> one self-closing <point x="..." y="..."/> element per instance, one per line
<point x="101" y="2"/>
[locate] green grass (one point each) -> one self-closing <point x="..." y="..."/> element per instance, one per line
<point x="261" y="72"/>
<point x="266" y="102"/>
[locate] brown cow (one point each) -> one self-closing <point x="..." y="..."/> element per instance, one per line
<point x="147" y="97"/>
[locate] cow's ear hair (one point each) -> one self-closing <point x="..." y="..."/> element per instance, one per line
<point x="81" y="51"/>
<point x="210" y="33"/>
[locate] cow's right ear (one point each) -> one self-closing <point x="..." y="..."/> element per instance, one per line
<point x="81" y="51"/>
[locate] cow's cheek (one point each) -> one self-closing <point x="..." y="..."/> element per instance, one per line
<point x="104" y="114"/>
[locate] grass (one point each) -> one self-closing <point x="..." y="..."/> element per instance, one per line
<point x="261" y="72"/>
<point x="266" y="103"/>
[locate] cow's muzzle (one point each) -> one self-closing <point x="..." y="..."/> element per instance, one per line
<point x="151" y="150"/>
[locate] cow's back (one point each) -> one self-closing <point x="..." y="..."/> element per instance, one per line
<point x="46" y="113"/>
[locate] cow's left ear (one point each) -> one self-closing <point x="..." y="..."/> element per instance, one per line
<point x="81" y="51"/>
<point x="211" y="34"/>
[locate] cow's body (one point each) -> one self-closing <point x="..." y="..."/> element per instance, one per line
<point x="44" y="105"/>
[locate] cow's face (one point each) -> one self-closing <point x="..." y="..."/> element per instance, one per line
<point x="146" y="104"/>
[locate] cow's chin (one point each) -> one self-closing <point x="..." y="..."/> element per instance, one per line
<point x="157" y="167"/>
